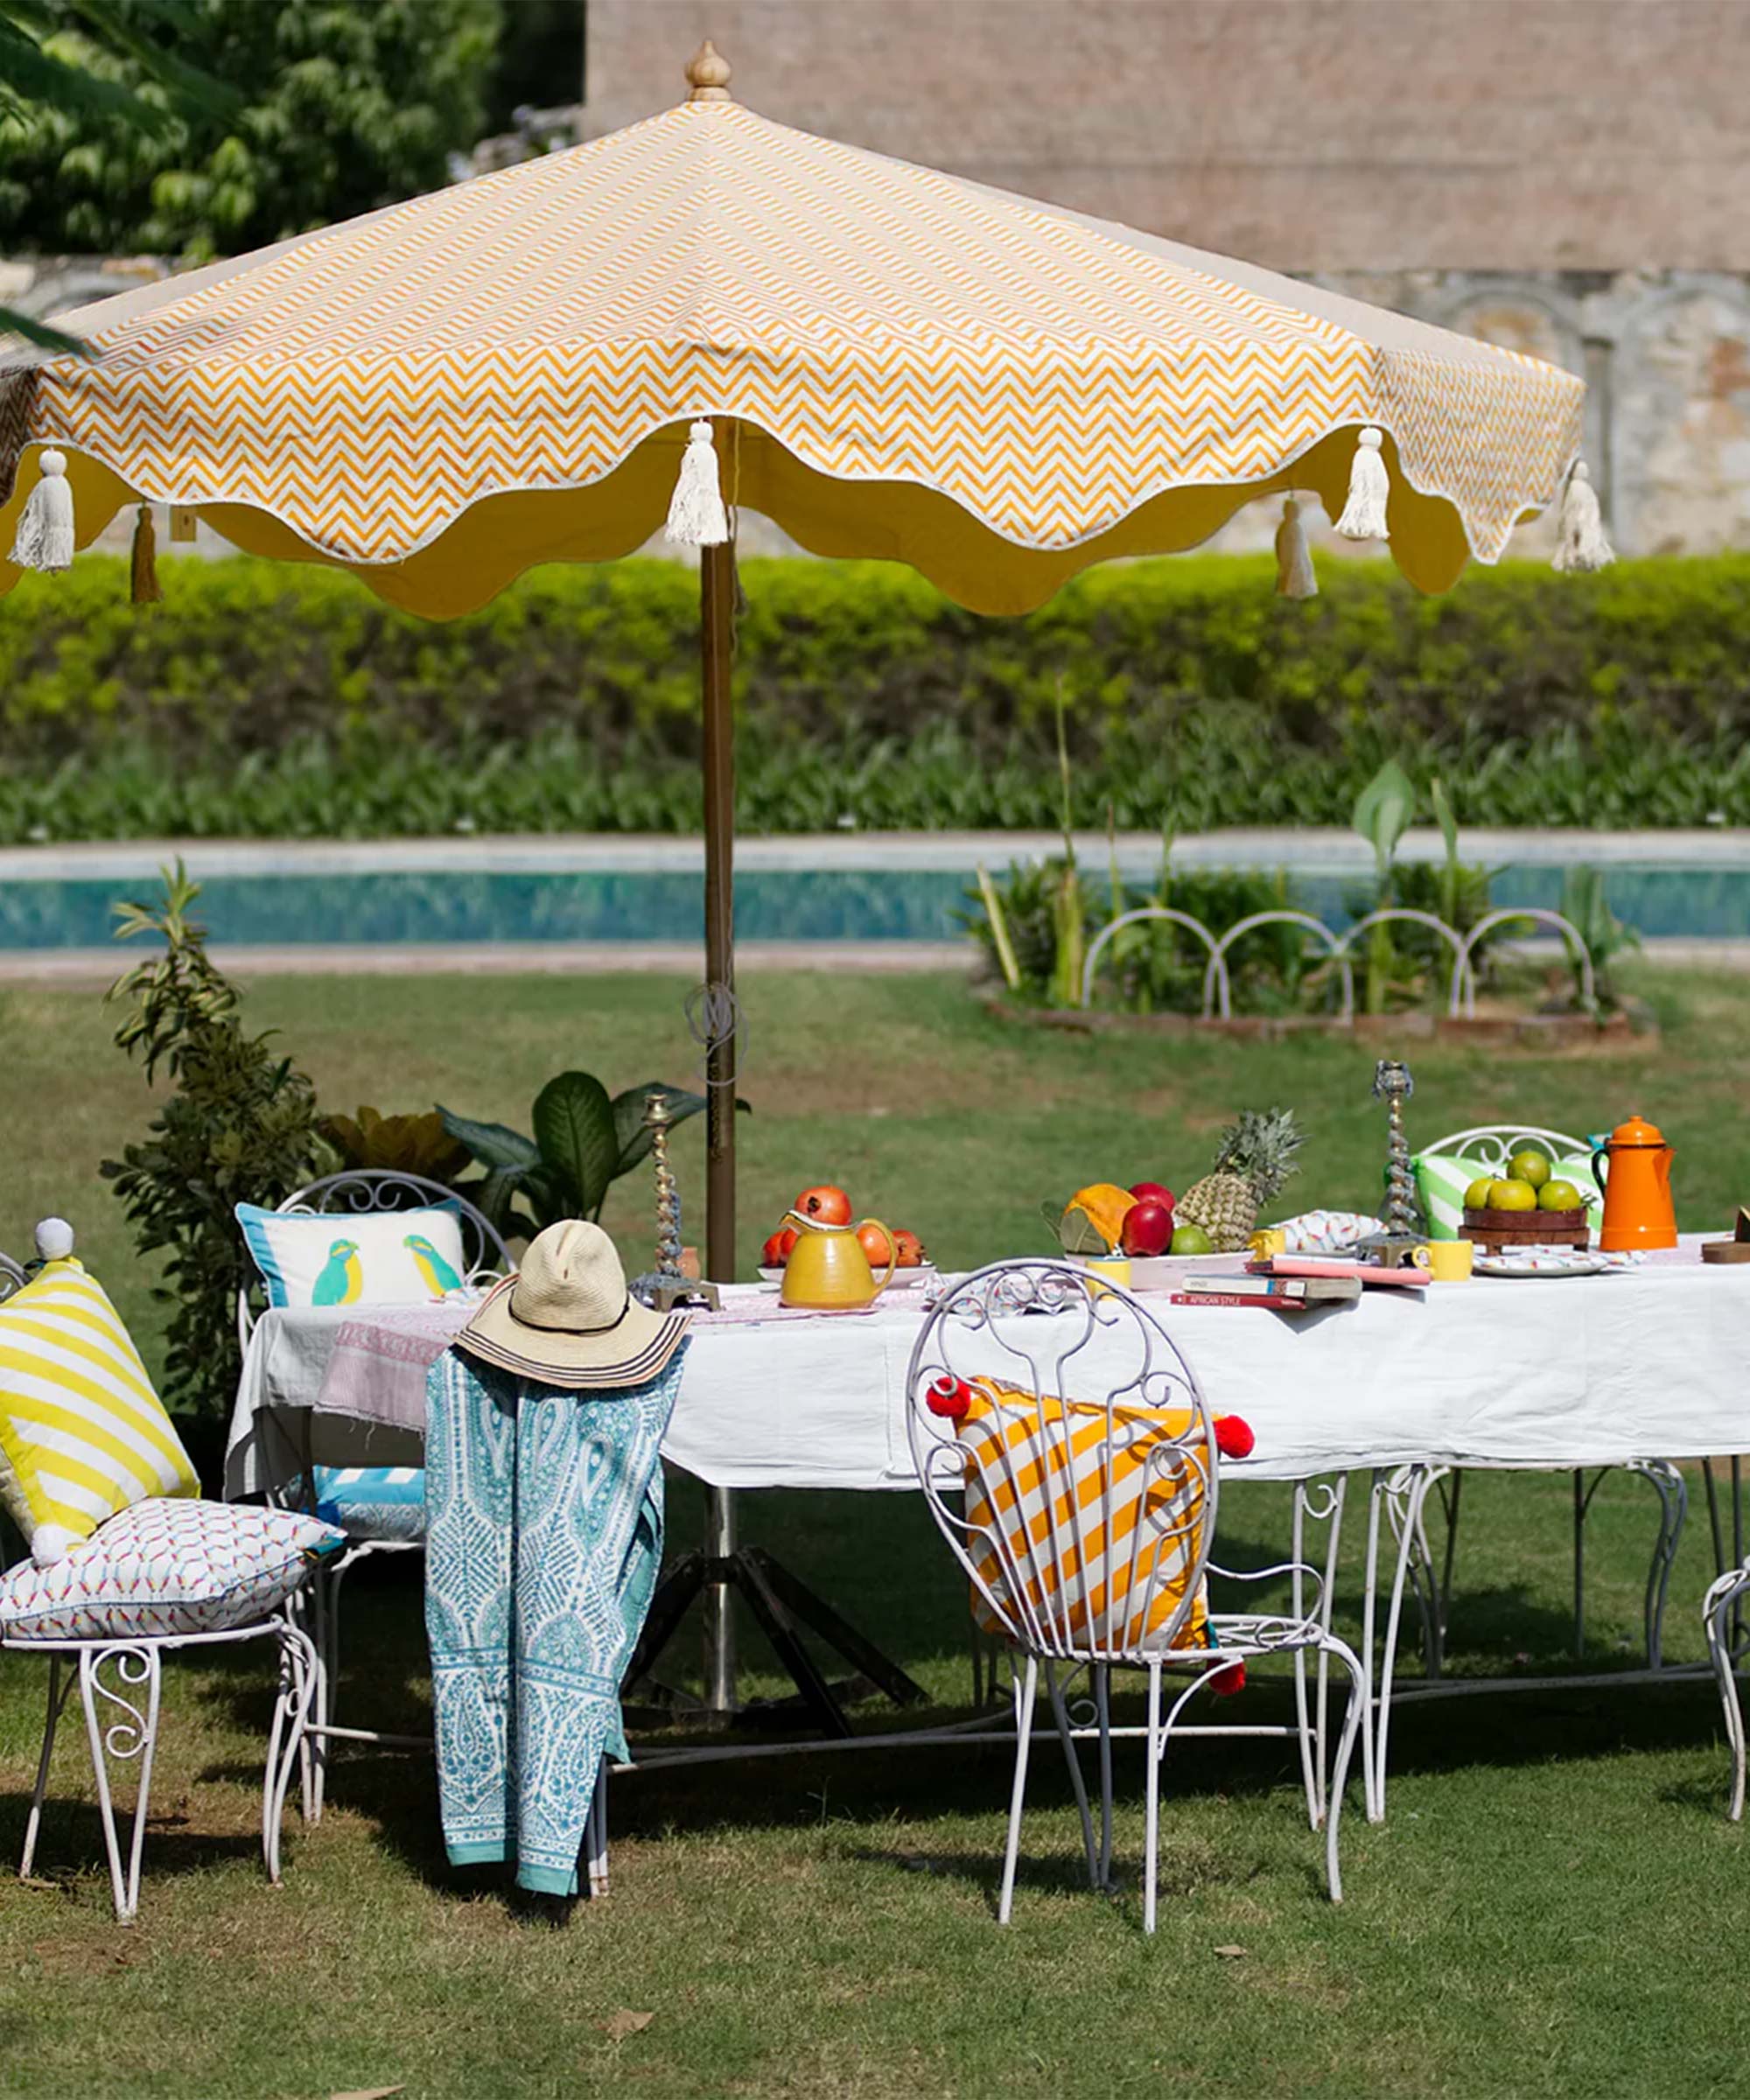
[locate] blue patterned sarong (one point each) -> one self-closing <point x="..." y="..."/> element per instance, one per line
<point x="544" y="1512"/>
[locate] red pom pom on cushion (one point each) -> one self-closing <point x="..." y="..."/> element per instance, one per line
<point x="949" y="1396"/>
<point x="1226" y="1682"/>
<point x="1234" y="1438"/>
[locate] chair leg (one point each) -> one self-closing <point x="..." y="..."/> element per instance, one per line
<point x="1102" y="1702"/>
<point x="1415" y="1489"/>
<point x="1309" y="1776"/>
<point x="1157" y="1750"/>
<point x="1027" y="1687"/>
<point x="58" y="1692"/>
<point x="1346" y="1745"/>
<point x="595" y="1839"/>
<point x="1717" y="1609"/>
<point x="133" y="1736"/>
<point x="1078" y="1786"/>
<point x="299" y="1679"/>
<point x="1375" y="1808"/>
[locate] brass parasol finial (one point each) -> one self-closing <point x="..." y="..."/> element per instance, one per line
<point x="708" y="75"/>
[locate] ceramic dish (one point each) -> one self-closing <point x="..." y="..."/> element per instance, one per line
<point x="1551" y="1262"/>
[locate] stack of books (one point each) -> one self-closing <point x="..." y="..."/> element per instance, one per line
<point x="1273" y="1294"/>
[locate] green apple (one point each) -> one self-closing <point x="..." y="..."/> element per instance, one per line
<point x="1477" y="1195"/>
<point x="1513" y="1195"/>
<point x="1559" y="1195"/>
<point x="1191" y="1239"/>
<point x="1530" y="1166"/>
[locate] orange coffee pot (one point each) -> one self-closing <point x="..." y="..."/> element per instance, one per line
<point x="1638" y="1211"/>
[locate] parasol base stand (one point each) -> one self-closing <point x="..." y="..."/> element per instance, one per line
<point x="784" y="1607"/>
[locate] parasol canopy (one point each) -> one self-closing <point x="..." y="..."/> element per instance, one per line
<point x="903" y="364"/>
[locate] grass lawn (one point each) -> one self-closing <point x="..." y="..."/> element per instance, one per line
<point x="1544" y="1908"/>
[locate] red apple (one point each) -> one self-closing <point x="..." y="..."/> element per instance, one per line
<point x="1148" y="1227"/>
<point x="829" y="1205"/>
<point x="1139" y="1189"/>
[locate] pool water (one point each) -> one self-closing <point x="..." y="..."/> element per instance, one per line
<point x="396" y="907"/>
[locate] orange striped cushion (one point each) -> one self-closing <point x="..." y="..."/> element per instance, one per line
<point x="1137" y="1529"/>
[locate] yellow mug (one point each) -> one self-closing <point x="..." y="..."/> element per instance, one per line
<point x="1446" y="1261"/>
<point x="1117" y="1269"/>
<point x="1270" y="1243"/>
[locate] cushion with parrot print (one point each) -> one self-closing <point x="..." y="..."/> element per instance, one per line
<point x="384" y="1257"/>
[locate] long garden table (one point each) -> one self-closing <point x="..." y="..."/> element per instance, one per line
<point x="1648" y="1364"/>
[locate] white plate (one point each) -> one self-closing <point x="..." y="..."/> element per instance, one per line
<point x="1551" y="1262"/>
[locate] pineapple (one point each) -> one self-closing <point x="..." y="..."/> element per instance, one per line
<point x="1253" y="1160"/>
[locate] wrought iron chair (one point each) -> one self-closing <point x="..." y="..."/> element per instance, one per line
<point x="1719" y="1610"/>
<point x="1078" y="1493"/>
<point x="1491" y="1146"/>
<point x="121" y="1722"/>
<point x="361" y="1192"/>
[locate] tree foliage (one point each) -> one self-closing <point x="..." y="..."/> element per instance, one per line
<point x="338" y="109"/>
<point x="239" y="1125"/>
<point x="122" y="70"/>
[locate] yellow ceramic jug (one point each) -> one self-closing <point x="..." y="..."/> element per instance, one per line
<point x="828" y="1268"/>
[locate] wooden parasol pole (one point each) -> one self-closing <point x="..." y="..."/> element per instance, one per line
<point x="717" y="617"/>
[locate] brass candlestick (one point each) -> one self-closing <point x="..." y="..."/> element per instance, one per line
<point x="669" y="1286"/>
<point x="1393" y="1084"/>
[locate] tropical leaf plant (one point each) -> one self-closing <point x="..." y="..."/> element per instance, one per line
<point x="584" y="1140"/>
<point x="396" y="1144"/>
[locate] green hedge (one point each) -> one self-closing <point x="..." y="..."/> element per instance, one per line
<point x="268" y="699"/>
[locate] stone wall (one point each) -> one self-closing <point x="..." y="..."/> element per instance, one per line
<point x="1569" y="177"/>
<point x="1566" y="175"/>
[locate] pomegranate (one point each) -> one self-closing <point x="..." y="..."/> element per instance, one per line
<point x="828" y="1204"/>
<point x="1148" y="1227"/>
<point x="909" y="1248"/>
<point x="949" y="1396"/>
<point x="874" y="1241"/>
<point x="1139" y="1189"/>
<point x="776" y="1251"/>
<point x="1234" y="1438"/>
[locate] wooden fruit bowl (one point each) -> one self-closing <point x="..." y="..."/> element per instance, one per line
<point x="1505" y="1231"/>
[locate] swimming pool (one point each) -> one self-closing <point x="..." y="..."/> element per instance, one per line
<point x="391" y="905"/>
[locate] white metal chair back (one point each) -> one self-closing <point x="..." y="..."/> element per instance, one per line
<point x="1079" y="1492"/>
<point x="363" y="1192"/>
<point x="1491" y="1144"/>
<point x="11" y="1277"/>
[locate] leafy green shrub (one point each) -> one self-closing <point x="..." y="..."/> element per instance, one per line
<point x="585" y="1140"/>
<point x="1156" y="966"/>
<point x="239" y="1127"/>
<point x="283" y="700"/>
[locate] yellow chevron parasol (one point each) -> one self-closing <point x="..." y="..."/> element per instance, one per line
<point x="708" y="309"/>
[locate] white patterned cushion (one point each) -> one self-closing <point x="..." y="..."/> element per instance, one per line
<point x="164" y="1567"/>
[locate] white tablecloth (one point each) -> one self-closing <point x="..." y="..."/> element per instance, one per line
<point x="1654" y="1363"/>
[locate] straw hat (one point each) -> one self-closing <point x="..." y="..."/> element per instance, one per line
<point x="566" y="1318"/>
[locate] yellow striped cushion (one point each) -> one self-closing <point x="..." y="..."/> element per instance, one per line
<point x="82" y="1434"/>
<point x="1038" y="1511"/>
